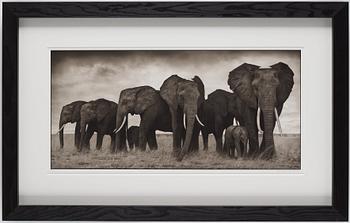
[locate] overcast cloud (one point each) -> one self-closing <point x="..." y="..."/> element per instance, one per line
<point x="89" y="75"/>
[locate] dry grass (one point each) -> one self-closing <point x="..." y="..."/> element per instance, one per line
<point x="288" y="156"/>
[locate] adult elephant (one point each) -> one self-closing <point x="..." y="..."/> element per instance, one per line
<point x="98" y="116"/>
<point x="70" y="113"/>
<point x="262" y="93"/>
<point x="154" y="113"/>
<point x="184" y="98"/>
<point x="217" y="113"/>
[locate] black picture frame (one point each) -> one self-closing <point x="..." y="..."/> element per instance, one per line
<point x="337" y="11"/>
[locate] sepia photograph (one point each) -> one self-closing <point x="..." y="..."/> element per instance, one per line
<point x="175" y="109"/>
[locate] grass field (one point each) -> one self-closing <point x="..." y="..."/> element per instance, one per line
<point x="288" y="156"/>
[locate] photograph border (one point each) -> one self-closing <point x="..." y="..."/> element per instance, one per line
<point x="337" y="11"/>
<point x="174" y="49"/>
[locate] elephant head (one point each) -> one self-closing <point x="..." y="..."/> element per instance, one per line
<point x="224" y="103"/>
<point x="183" y="98"/>
<point x="263" y="90"/>
<point x="70" y="113"/>
<point x="134" y="101"/>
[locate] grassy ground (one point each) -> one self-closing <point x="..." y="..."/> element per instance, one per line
<point x="288" y="156"/>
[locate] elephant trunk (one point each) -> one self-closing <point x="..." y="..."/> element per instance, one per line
<point x="269" y="145"/>
<point x="60" y="131"/>
<point x="83" y="129"/>
<point x="190" y="119"/>
<point x="120" y="130"/>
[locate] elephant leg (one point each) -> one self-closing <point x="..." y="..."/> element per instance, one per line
<point x="142" y="138"/>
<point x="121" y="138"/>
<point x="77" y="135"/>
<point x="99" y="141"/>
<point x="225" y="149"/>
<point x="112" y="146"/>
<point x="148" y="119"/>
<point x="205" y="139"/>
<point x="245" y="149"/>
<point x="82" y="136"/>
<point x="232" y="148"/>
<point x="87" y="137"/>
<point x="228" y="144"/>
<point x="218" y="139"/>
<point x="252" y="128"/>
<point x="143" y="131"/>
<point x="122" y="144"/>
<point x="218" y="135"/>
<point x="176" y="131"/>
<point x="238" y="148"/>
<point x="253" y="143"/>
<point x="135" y="140"/>
<point x="194" y="145"/>
<point x="152" y="140"/>
<point x="131" y="144"/>
<point x="248" y="119"/>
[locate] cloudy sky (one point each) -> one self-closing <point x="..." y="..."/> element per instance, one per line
<point x="89" y="75"/>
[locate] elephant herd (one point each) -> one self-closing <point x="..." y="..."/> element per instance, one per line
<point x="180" y="107"/>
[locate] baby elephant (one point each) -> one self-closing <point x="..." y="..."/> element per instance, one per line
<point x="133" y="137"/>
<point x="236" y="137"/>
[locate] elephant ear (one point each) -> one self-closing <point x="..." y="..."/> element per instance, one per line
<point x="285" y="76"/>
<point x="240" y="81"/>
<point x="145" y="97"/>
<point x="169" y="91"/>
<point x="200" y="86"/>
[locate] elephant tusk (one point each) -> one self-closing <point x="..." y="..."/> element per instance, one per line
<point x="184" y="121"/>
<point x="60" y="129"/>
<point x="235" y="122"/>
<point x="278" y="122"/>
<point x="121" y="126"/>
<point x="199" y="121"/>
<point x="258" y="120"/>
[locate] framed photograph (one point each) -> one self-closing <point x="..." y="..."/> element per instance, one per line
<point x="183" y="111"/>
